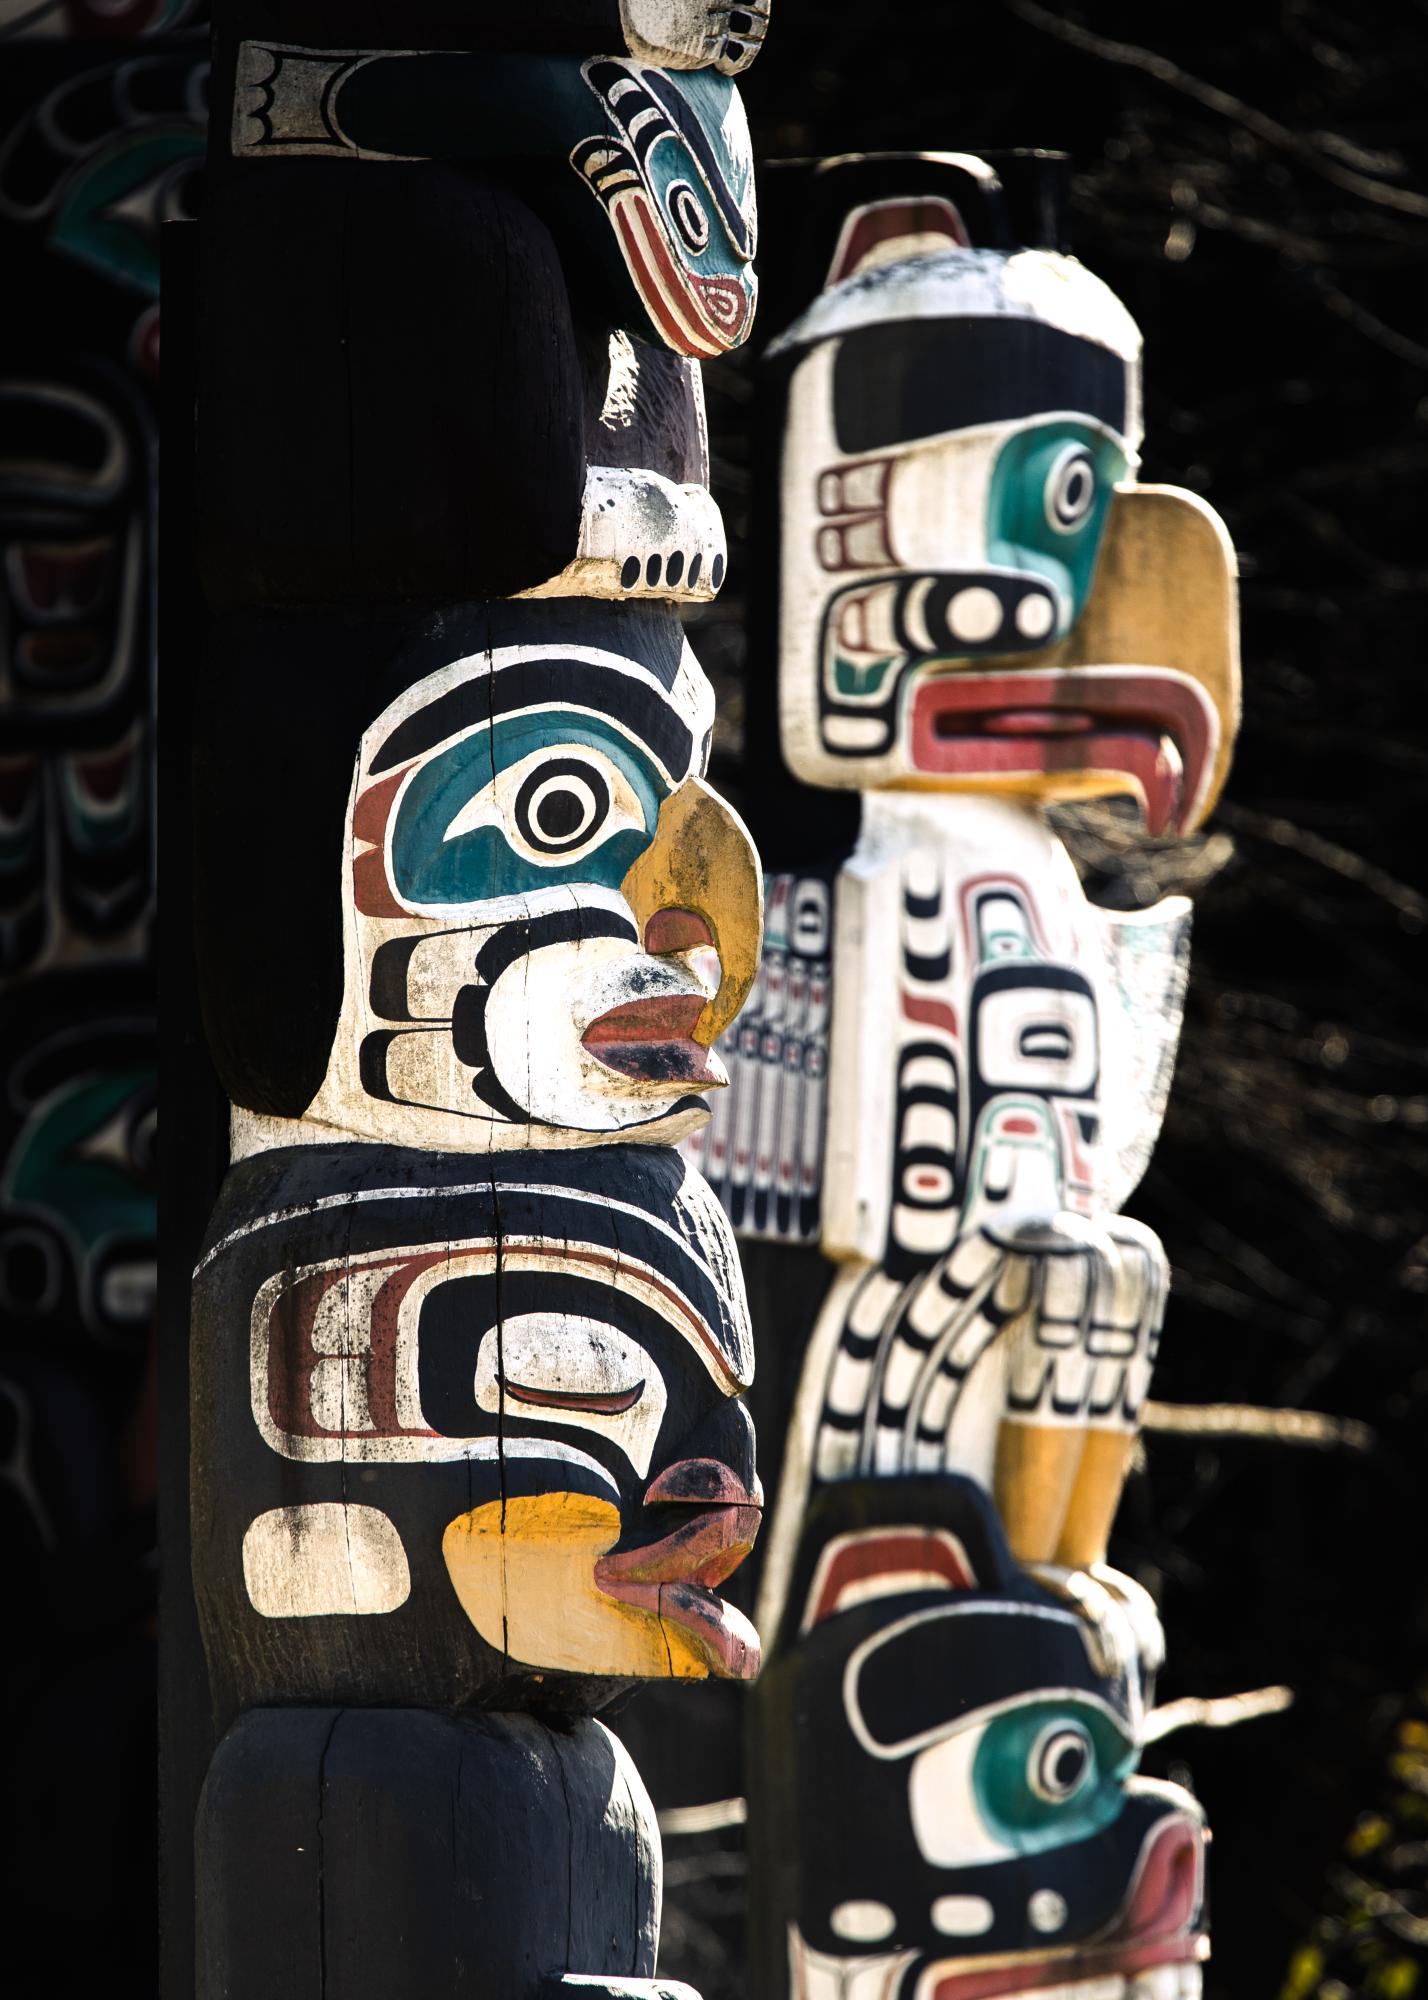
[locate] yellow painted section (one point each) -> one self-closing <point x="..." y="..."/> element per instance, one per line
<point x="524" y="1572"/>
<point x="702" y="859"/>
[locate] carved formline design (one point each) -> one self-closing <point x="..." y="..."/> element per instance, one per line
<point x="470" y="1339"/>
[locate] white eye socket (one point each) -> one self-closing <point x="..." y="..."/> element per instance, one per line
<point x="686" y="212"/>
<point x="1070" y="489"/>
<point x="562" y="1368"/>
<point x="554" y="805"/>
<point x="1060" y="1762"/>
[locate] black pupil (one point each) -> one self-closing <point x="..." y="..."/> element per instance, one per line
<point x="1067" y="1766"/>
<point x="559" y="814"/>
<point x="1078" y="481"/>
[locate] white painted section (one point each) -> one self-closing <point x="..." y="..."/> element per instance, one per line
<point x="568" y="1355"/>
<point x="973" y="284"/>
<point x="325" y="1560"/>
<point x="962" y="1916"/>
<point x="629" y="513"/>
<point x="819" y="1975"/>
<point x="1046" y="1911"/>
<point x="863" y="1922"/>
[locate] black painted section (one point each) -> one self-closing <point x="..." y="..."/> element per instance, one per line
<point x="371" y="1852"/>
<point x="390" y="402"/>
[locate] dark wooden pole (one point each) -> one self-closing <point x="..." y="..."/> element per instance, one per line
<point x="468" y="1337"/>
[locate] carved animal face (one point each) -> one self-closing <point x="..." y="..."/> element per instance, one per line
<point x="971" y="1802"/>
<point x="959" y="436"/>
<point x="551" y="917"/>
<point x="526" y="1422"/>
<point x="674" y="172"/>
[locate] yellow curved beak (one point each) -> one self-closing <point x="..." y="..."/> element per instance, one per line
<point x="702" y="859"/>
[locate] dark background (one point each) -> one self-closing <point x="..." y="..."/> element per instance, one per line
<point x="1253" y="183"/>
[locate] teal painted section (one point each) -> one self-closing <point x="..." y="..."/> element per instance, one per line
<point x="1030" y="468"/>
<point x="73" y="1160"/>
<point x="474" y="867"/>
<point x="1018" y="1753"/>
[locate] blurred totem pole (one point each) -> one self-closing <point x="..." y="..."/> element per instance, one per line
<point x="951" y="1076"/>
<point x="469" y="1337"/>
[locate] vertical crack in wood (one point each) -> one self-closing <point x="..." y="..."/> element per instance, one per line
<point x="322" y="1858"/>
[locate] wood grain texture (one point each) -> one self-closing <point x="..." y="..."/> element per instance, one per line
<point x="364" y="1853"/>
<point x="390" y="403"/>
<point x="517" y="1548"/>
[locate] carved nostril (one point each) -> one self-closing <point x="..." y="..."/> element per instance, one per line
<point x="676" y="930"/>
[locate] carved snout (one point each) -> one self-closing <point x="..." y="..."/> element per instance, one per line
<point x="702" y="861"/>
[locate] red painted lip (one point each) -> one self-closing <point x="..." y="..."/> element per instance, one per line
<point x="1156" y="728"/>
<point x="1158" y="1925"/>
<point x="653" y="1040"/>
<point x="677" y="1577"/>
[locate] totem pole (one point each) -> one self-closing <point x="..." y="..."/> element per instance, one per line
<point x="469" y="1336"/>
<point x="953" y="1071"/>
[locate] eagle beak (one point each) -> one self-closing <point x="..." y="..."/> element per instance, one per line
<point x="702" y="861"/>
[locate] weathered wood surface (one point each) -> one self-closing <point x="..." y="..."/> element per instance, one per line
<point x="464" y="1435"/>
<point x="367" y="1852"/>
<point x="469" y="1338"/>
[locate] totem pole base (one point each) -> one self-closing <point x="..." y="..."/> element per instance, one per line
<point x="363" y="1854"/>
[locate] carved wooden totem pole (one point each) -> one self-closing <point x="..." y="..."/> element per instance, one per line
<point x="469" y="1336"/>
<point x="954" y="1072"/>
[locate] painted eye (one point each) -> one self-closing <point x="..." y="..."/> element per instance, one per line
<point x="561" y="805"/>
<point x="1061" y="1761"/>
<point x="1070" y="491"/>
<point x="686" y="212"/>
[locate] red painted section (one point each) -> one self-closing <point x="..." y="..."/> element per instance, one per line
<point x="1156" y="730"/>
<point x="676" y="930"/>
<point x="890" y="1552"/>
<point x="882" y="221"/>
<point x="930" y="1013"/>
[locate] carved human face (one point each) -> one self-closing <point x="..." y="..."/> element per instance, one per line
<point x="674" y="172"/>
<point x="551" y="917"/>
<point x="960" y="433"/>
<point x="519" y="1424"/>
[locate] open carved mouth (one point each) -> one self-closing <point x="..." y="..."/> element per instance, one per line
<point x="653" y="1041"/>
<point x="1158" y="1926"/>
<point x="1158" y="729"/>
<point x="676" y="1577"/>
